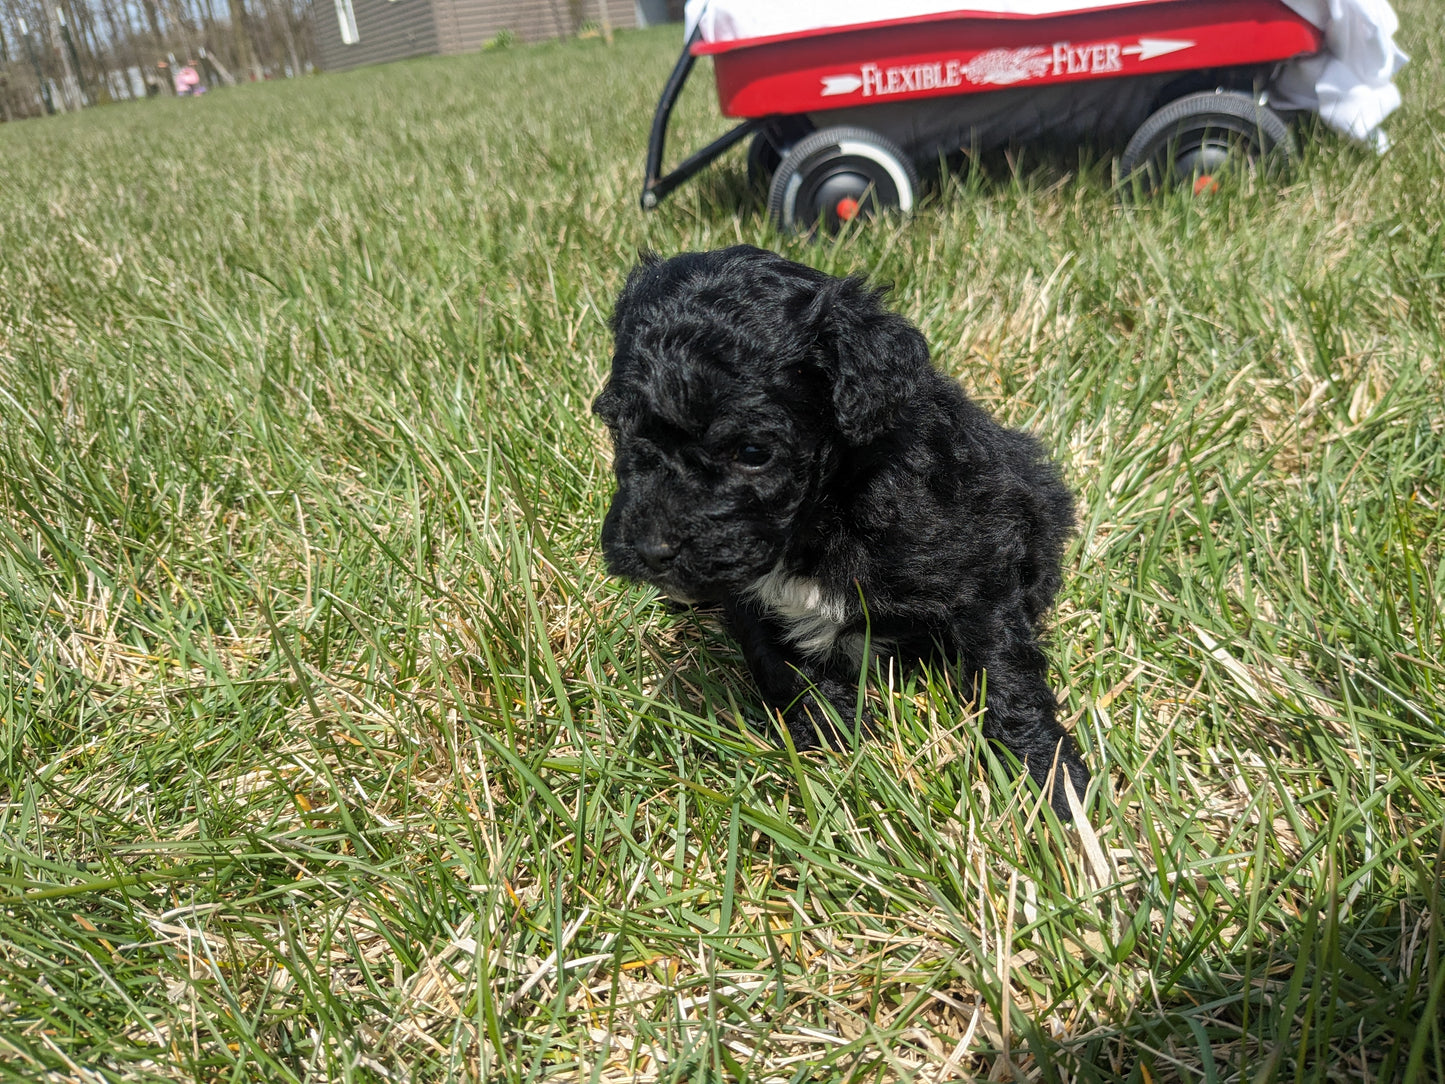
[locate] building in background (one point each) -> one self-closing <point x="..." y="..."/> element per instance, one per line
<point x="350" y="33"/>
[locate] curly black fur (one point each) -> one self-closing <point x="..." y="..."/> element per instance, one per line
<point x="785" y="448"/>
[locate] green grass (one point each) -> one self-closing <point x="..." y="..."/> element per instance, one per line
<point x="328" y="752"/>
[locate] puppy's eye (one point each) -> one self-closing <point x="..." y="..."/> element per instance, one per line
<point x="752" y="455"/>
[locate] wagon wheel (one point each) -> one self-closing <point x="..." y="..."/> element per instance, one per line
<point x="838" y="174"/>
<point x="1200" y="138"/>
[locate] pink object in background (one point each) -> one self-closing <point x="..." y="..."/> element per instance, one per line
<point x="188" y="82"/>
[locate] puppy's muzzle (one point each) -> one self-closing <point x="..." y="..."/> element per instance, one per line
<point x="657" y="553"/>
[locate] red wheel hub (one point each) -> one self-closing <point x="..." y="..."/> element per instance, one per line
<point x="847" y="209"/>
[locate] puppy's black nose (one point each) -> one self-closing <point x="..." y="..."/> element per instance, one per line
<point x="657" y="553"/>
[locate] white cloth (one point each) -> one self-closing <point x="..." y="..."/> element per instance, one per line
<point x="728" y="20"/>
<point x="1350" y="84"/>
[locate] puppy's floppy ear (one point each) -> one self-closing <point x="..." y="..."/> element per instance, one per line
<point x="632" y="288"/>
<point x="874" y="359"/>
<point x="607" y="405"/>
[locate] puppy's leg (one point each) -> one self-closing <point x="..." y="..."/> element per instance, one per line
<point x="1020" y="708"/>
<point x="789" y="681"/>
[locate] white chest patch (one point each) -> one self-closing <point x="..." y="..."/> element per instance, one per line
<point x="812" y="615"/>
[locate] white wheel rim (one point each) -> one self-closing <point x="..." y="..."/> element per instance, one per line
<point x="890" y="165"/>
<point x="790" y="200"/>
<point x="867" y="151"/>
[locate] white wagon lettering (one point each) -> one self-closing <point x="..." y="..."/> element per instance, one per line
<point x="939" y="75"/>
<point x="1086" y="59"/>
<point x="999" y="67"/>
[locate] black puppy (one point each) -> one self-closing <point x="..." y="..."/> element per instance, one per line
<point x="785" y="448"/>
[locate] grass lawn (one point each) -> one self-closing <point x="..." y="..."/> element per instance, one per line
<point x="328" y="751"/>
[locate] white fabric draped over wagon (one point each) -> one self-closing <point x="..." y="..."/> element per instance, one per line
<point x="1350" y="84"/>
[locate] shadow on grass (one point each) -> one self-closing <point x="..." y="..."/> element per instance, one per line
<point x="1319" y="997"/>
<point x="1277" y="945"/>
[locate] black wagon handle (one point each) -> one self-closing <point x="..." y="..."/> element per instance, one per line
<point x="656" y="185"/>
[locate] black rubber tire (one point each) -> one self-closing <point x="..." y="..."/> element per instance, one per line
<point x="827" y="168"/>
<point x="1202" y="135"/>
<point x="763" y="159"/>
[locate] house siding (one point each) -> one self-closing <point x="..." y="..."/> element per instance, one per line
<point x="464" y="25"/>
<point x="395" y="29"/>
<point x="386" y="30"/>
<point x="657" y="12"/>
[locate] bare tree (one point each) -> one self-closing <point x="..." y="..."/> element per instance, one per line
<point x="60" y="54"/>
<point x="244" y="50"/>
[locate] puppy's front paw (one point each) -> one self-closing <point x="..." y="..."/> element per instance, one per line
<point x="809" y="723"/>
<point x="1051" y="777"/>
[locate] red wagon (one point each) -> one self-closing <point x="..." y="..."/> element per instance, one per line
<point x="841" y="117"/>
